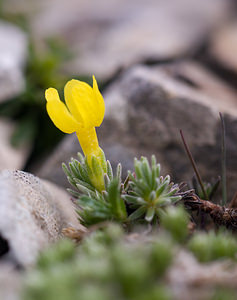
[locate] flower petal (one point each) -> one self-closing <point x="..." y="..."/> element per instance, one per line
<point x="59" y="113"/>
<point x="100" y="104"/>
<point x="81" y="101"/>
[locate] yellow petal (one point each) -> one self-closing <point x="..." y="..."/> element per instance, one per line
<point x="79" y="99"/>
<point x="100" y="105"/>
<point x="59" y="113"/>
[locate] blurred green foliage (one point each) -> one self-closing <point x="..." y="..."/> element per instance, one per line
<point x="111" y="264"/>
<point x="212" y="246"/>
<point x="222" y="293"/>
<point x="104" y="266"/>
<point x="175" y="220"/>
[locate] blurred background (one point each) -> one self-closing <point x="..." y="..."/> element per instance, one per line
<point x="161" y="66"/>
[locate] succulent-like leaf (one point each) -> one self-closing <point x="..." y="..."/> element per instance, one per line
<point x="109" y="170"/>
<point x="137" y="213"/>
<point x="148" y="191"/>
<point x="150" y="214"/>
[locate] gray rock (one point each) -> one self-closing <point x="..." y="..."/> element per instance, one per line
<point x="157" y="102"/>
<point x="13" y="54"/>
<point x="155" y="107"/>
<point x="11" y="158"/>
<point x="146" y="107"/>
<point x="32" y="215"/>
<point x="119" y="33"/>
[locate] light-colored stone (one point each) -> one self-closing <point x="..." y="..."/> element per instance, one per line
<point x="118" y="33"/>
<point x="223" y="46"/>
<point x="198" y="281"/>
<point x="11" y="157"/>
<point x="32" y="215"/>
<point x="10" y="282"/>
<point x="203" y="80"/>
<point x="13" y="54"/>
<point x="143" y="31"/>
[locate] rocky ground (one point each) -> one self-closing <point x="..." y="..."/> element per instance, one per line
<point x="163" y="66"/>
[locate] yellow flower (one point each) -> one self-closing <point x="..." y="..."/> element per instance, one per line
<point x="84" y="110"/>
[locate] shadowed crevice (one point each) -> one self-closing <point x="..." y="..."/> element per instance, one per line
<point x="4" y="246"/>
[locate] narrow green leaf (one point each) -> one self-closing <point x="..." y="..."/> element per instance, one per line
<point x="153" y="161"/>
<point x="147" y="175"/>
<point x="102" y="160"/>
<point x="152" y="196"/>
<point x="119" y="173"/>
<point x="130" y="199"/>
<point x="150" y="214"/>
<point x="163" y="201"/>
<point x="132" y="176"/>
<point x="71" y="181"/>
<point x="86" y="201"/>
<point x="106" y="180"/>
<point x="65" y="169"/>
<point x="105" y="194"/>
<point x="117" y="203"/>
<point x="84" y="173"/>
<point x="137" y="213"/>
<point x="81" y="157"/>
<point x="137" y="167"/>
<point x="153" y="172"/>
<point x="158" y="168"/>
<point x="74" y="170"/>
<point x="109" y="170"/>
<point x="87" y="185"/>
<point x="167" y="179"/>
<point x="175" y="198"/>
<point x="126" y="184"/>
<point x="161" y="189"/>
<point x="96" y="167"/>
<point x="83" y="189"/>
<point x="76" y="164"/>
<point x="74" y="193"/>
<point x="214" y="188"/>
<point x="172" y="192"/>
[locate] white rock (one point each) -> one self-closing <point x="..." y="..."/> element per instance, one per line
<point x="118" y="33"/>
<point x="10" y="157"/>
<point x="13" y="53"/>
<point x="32" y="215"/>
<point x="223" y="46"/>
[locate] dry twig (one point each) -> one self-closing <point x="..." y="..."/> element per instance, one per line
<point x="220" y="215"/>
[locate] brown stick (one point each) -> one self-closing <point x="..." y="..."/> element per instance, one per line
<point x="220" y="215"/>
